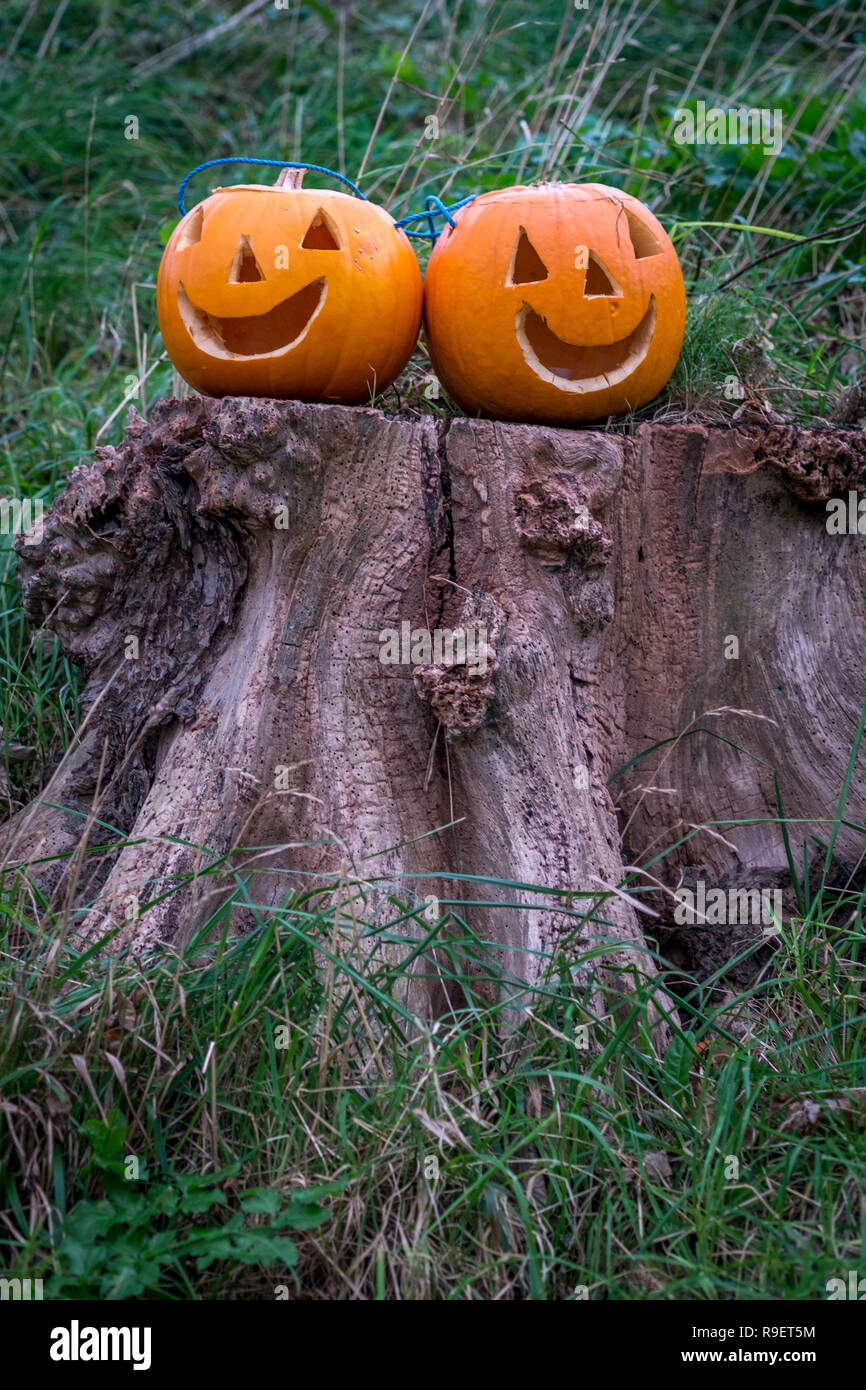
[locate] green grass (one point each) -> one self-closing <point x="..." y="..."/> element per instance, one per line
<point x="258" y="1112"/>
<point x="261" y="1115"/>
<point x="545" y="1182"/>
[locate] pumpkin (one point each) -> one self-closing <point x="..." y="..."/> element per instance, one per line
<point x="555" y="303"/>
<point x="289" y="292"/>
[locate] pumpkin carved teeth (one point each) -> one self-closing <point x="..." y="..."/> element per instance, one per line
<point x="572" y="367"/>
<point x="254" y="335"/>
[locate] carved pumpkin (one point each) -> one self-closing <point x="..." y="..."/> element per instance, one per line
<point x="289" y="292"/>
<point x="556" y="303"/>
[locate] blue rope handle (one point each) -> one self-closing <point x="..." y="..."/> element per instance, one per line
<point x="433" y="206"/>
<point x="279" y="163"/>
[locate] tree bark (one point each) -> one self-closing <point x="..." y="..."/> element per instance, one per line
<point x="226" y="575"/>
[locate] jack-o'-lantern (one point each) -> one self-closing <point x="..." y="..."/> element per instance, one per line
<point x="555" y="303"/>
<point x="289" y="292"/>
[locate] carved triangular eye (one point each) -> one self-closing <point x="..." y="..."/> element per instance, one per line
<point x="322" y="234"/>
<point x="526" y="264"/>
<point x="599" y="280"/>
<point x="192" y="231"/>
<point x="245" y="268"/>
<point x="644" y="241"/>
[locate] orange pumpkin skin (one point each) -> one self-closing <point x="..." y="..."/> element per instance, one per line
<point x="288" y="292"/>
<point x="519" y="313"/>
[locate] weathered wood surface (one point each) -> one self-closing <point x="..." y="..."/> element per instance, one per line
<point x="257" y="550"/>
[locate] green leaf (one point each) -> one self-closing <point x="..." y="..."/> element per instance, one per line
<point x="298" y="1218"/>
<point x="193" y="1202"/>
<point x="262" y="1199"/>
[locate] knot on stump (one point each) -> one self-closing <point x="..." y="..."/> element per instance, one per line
<point x="816" y="463"/>
<point x="554" y="520"/>
<point x="133" y="579"/>
<point x="459" y="685"/>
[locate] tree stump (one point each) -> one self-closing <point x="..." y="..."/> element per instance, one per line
<point x="230" y="577"/>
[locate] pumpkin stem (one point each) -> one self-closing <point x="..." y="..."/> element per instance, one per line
<point x="290" y="178"/>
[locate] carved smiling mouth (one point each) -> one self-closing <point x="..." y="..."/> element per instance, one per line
<point x="573" y="368"/>
<point x="254" y="335"/>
